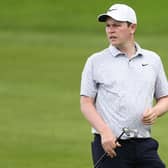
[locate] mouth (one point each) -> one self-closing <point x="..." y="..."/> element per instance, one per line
<point x="112" y="38"/>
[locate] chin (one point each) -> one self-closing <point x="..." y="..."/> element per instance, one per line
<point x="114" y="44"/>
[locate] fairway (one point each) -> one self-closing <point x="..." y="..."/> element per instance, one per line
<point x="41" y="124"/>
<point x="42" y="56"/>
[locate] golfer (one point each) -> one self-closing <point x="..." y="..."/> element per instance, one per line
<point x="118" y="86"/>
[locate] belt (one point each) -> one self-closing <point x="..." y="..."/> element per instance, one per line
<point x="125" y="140"/>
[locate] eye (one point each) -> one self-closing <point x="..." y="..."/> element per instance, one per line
<point x="116" y="25"/>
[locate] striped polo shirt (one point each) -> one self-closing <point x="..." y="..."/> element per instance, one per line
<point x="123" y="88"/>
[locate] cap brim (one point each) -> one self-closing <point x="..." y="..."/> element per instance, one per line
<point x="103" y="17"/>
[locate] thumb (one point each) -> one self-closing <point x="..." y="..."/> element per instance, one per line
<point x="118" y="144"/>
<point x="147" y="112"/>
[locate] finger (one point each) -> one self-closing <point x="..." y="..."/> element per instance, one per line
<point x="150" y="118"/>
<point x="112" y="153"/>
<point x="107" y="148"/>
<point x="147" y="119"/>
<point x="110" y="149"/>
<point x="150" y="122"/>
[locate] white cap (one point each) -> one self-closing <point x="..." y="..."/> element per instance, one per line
<point x="119" y="12"/>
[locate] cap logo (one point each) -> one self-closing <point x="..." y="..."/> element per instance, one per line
<point x="111" y="10"/>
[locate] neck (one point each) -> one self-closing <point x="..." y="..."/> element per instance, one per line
<point x="129" y="49"/>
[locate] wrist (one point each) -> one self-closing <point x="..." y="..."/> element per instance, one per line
<point x="156" y="111"/>
<point x="104" y="130"/>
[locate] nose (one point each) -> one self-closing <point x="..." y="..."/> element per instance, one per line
<point x="110" y="29"/>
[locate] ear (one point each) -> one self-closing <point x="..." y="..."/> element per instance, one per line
<point x="133" y="28"/>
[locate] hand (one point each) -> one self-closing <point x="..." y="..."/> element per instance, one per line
<point x="149" y="116"/>
<point x="109" y="143"/>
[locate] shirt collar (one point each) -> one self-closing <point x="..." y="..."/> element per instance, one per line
<point x="115" y="52"/>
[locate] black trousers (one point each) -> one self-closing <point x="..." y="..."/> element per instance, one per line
<point x="134" y="153"/>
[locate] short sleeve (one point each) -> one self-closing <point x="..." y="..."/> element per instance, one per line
<point x="161" y="85"/>
<point x="88" y="84"/>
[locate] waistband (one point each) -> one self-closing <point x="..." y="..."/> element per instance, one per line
<point x="126" y="140"/>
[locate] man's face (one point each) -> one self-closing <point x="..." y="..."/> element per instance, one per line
<point x="119" y="33"/>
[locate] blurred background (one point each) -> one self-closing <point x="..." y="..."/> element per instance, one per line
<point x="43" y="47"/>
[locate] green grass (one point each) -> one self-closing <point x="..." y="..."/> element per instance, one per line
<point x="44" y="45"/>
<point x="41" y="125"/>
<point x="76" y="16"/>
<point x="40" y="117"/>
